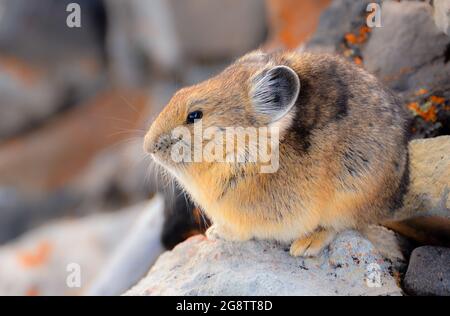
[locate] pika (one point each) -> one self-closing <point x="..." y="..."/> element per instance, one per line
<point x="343" y="149"/>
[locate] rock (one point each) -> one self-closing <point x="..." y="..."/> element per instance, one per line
<point x="335" y="22"/>
<point x="429" y="178"/>
<point x="20" y="212"/>
<point x="116" y="175"/>
<point x="88" y="155"/>
<point x="442" y="15"/>
<point x="38" y="32"/>
<point x="408" y="55"/>
<point x="428" y="272"/>
<point x="292" y="22"/>
<point x="211" y="29"/>
<point x="37" y="263"/>
<point x="210" y="266"/>
<point x="140" y="32"/>
<point x="46" y="66"/>
<point x="134" y="255"/>
<point x="169" y="34"/>
<point x="19" y="108"/>
<point x="54" y="154"/>
<point x="391" y="245"/>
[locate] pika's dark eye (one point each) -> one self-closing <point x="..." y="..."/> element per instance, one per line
<point x="196" y="115"/>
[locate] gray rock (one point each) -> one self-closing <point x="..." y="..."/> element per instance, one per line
<point x="38" y="31"/>
<point x="211" y="266"/>
<point x="429" y="179"/>
<point x="335" y="21"/>
<point x="20" y="212"/>
<point x="442" y="15"/>
<point x="140" y="31"/>
<point x="53" y="66"/>
<point x="391" y="245"/>
<point x="408" y="52"/>
<point x="18" y="108"/>
<point x="428" y="272"/>
<point x="37" y="262"/>
<point x="214" y="29"/>
<point x="27" y="101"/>
<point x="172" y="33"/>
<point x="134" y="255"/>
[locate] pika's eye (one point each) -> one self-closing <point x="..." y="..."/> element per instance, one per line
<point x="196" y="115"/>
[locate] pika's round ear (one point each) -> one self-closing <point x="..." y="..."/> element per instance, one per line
<point x="275" y="91"/>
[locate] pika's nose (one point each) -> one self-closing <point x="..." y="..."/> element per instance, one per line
<point x="154" y="144"/>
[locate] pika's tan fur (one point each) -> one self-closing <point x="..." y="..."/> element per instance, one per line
<point x="343" y="152"/>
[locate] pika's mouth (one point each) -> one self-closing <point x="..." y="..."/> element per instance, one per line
<point x="167" y="153"/>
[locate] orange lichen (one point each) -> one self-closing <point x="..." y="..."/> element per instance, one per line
<point x="20" y="70"/>
<point x="359" y="38"/>
<point x="414" y="106"/>
<point x="363" y="34"/>
<point x="289" y="25"/>
<point x="421" y="91"/>
<point x="35" y="257"/>
<point x="351" y="38"/>
<point x="32" y="291"/>
<point x="358" y="61"/>
<point x="428" y="113"/>
<point x="437" y="100"/>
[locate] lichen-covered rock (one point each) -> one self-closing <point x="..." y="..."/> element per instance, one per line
<point x="408" y="51"/>
<point x="289" y="25"/>
<point x="335" y="22"/>
<point x="210" y="266"/>
<point x="428" y="272"/>
<point x="38" y="262"/>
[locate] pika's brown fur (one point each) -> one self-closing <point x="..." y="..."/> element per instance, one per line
<point x="343" y="152"/>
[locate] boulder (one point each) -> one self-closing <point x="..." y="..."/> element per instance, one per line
<point x="41" y="261"/>
<point x="337" y="20"/>
<point x="428" y="272"/>
<point x="429" y="176"/>
<point x="38" y="32"/>
<point x="212" y="29"/>
<point x="442" y="15"/>
<point x="46" y="66"/>
<point x="88" y="155"/>
<point x="211" y="266"/>
<point x="20" y="212"/>
<point x="289" y="26"/>
<point x="134" y="255"/>
<point x="427" y="193"/>
<point x="56" y="153"/>
<point x="408" y="55"/>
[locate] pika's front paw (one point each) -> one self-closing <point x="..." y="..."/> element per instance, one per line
<point x="224" y="233"/>
<point x="311" y="245"/>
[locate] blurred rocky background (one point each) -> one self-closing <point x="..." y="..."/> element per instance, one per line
<point x="75" y="186"/>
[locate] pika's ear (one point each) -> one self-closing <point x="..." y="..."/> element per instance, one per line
<point x="275" y="92"/>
